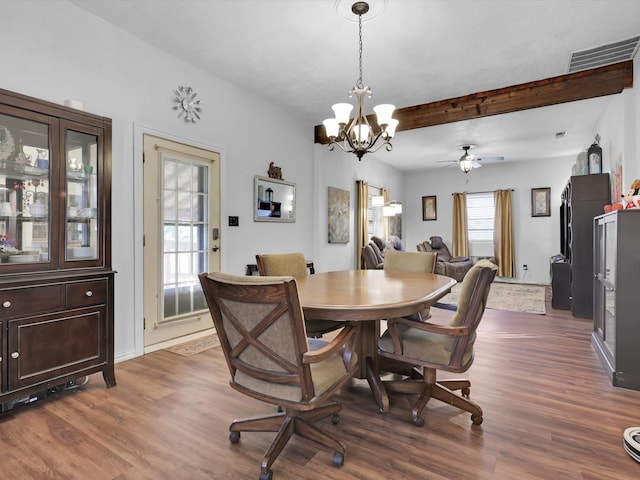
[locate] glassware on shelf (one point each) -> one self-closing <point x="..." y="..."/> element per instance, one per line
<point x="74" y="165"/>
<point x="42" y="160"/>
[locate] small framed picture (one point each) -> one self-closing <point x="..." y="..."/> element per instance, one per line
<point x="541" y="202"/>
<point x="429" y="211"/>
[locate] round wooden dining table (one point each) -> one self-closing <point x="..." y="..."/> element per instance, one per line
<point x="364" y="297"/>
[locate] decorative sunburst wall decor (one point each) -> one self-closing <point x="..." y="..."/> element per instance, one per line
<point x="186" y="104"/>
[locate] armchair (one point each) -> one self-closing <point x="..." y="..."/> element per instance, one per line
<point x="261" y="329"/>
<point x="434" y="346"/>
<point x="294" y="265"/>
<point x="454" y="267"/>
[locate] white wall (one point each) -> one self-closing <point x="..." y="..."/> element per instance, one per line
<point x="536" y="238"/>
<point x="69" y="54"/>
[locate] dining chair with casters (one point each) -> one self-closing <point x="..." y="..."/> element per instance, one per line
<point x="432" y="346"/>
<point x="419" y="262"/>
<point x="260" y="325"/>
<point x="294" y="265"/>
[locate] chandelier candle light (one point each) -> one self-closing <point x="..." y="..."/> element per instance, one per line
<point x="358" y="137"/>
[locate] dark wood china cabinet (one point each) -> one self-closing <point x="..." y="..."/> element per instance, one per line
<point x="56" y="282"/>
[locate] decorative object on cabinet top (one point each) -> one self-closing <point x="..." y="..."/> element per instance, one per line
<point x="274" y="171"/>
<point x="630" y="200"/>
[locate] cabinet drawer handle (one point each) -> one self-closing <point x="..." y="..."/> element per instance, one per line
<point x="88" y="293"/>
<point x="6" y="304"/>
<point x="15" y="355"/>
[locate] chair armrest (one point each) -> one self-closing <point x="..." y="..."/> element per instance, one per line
<point x="344" y="339"/>
<point x="392" y="325"/>
<point x="457" y="331"/>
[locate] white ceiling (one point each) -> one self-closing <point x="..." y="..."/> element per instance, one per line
<point x="303" y="55"/>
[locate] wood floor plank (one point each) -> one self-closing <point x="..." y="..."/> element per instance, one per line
<point x="550" y="413"/>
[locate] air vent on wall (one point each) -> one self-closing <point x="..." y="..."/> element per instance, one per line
<point x="604" y="55"/>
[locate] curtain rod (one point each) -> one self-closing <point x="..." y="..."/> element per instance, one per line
<point x="488" y="191"/>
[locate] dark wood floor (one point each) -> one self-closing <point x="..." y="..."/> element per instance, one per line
<point x="549" y="413"/>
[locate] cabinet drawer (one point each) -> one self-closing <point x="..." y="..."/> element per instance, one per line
<point x="31" y="300"/>
<point x="83" y="294"/>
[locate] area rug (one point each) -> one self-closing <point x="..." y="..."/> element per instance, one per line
<point x="198" y="345"/>
<point x="513" y="297"/>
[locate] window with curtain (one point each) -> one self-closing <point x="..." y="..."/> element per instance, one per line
<point x="480" y="221"/>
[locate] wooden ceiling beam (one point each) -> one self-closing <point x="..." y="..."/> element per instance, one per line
<point x="593" y="83"/>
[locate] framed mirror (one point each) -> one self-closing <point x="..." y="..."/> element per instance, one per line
<point x="273" y="200"/>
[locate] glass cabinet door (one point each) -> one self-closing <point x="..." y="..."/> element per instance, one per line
<point x="81" y="206"/>
<point x="25" y="194"/>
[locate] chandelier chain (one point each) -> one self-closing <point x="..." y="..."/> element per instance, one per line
<point x="359" y="84"/>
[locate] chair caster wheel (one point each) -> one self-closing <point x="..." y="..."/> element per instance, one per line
<point x="335" y="419"/>
<point x="476" y="419"/>
<point x="338" y="459"/>
<point x="234" y="437"/>
<point x="280" y="409"/>
<point x="418" y="421"/>
<point x="266" y="476"/>
<point x="465" y="392"/>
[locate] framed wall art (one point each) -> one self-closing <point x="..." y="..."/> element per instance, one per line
<point x="429" y="211"/>
<point x="541" y="202"/>
<point x="338" y="215"/>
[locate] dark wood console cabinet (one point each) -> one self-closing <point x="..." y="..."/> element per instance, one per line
<point x="616" y="329"/>
<point x="56" y="282"/>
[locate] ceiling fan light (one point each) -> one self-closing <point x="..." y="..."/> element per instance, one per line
<point x="466" y="165"/>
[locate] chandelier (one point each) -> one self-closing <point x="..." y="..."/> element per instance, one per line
<point x="358" y="136"/>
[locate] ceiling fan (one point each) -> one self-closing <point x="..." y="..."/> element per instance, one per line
<point x="467" y="161"/>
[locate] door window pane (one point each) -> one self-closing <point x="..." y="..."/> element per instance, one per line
<point x="185" y="243"/>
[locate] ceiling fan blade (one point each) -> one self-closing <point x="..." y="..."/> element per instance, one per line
<point x="490" y="159"/>
<point x="475" y="164"/>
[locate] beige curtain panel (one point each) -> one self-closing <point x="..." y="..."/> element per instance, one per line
<point x="503" y="243"/>
<point x="362" y="189"/>
<point x="460" y="235"/>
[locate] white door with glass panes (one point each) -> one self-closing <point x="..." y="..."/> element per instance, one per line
<point x="181" y="237"/>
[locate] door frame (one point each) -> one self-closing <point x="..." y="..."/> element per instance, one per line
<point x="138" y="218"/>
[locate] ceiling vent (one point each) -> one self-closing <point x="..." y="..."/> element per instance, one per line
<point x="604" y="55"/>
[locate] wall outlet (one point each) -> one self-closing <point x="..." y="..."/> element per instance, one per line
<point x="234" y="221"/>
<point x="525" y="267"/>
